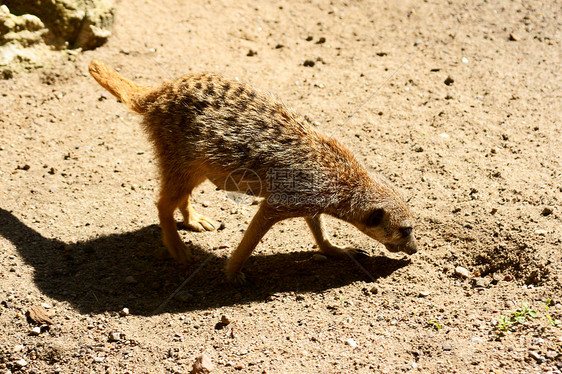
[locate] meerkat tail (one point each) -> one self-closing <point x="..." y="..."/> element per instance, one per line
<point x="130" y="93"/>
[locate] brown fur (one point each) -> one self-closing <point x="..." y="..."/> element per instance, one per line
<point x="206" y="127"/>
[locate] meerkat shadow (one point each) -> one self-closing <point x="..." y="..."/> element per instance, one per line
<point x="119" y="270"/>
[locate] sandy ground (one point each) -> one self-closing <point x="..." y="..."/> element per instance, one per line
<point x="477" y="155"/>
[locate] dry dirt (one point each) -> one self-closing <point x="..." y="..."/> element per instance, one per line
<point x="478" y="158"/>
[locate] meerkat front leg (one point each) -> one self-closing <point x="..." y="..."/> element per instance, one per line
<point x="316" y="224"/>
<point x="260" y="224"/>
<point x="194" y="220"/>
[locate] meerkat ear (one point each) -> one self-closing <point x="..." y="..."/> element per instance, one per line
<point x="375" y="218"/>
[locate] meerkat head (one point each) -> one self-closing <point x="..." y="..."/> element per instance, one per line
<point x="388" y="220"/>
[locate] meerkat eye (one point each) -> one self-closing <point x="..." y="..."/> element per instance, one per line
<point x="375" y="218"/>
<point x="405" y="231"/>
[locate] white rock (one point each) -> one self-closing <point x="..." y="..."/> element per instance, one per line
<point x="462" y="272"/>
<point x="124" y="312"/>
<point x="541" y="232"/>
<point x="319" y="258"/>
<point x="35" y="331"/>
<point x="464" y="60"/>
<point x="351" y="343"/>
<point x="21" y="362"/>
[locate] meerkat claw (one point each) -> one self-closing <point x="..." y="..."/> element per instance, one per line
<point x="200" y="224"/>
<point x="356" y="252"/>
<point x="238" y="279"/>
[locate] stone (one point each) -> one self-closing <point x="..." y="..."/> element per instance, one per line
<point x="38" y="314"/>
<point x="202" y="365"/>
<point x="82" y="24"/>
<point x="21" y="363"/>
<point x="124" y="312"/>
<point x="547" y="211"/>
<point x="35" y="331"/>
<point x="225" y="321"/>
<point x="449" y="81"/>
<point x="130" y="280"/>
<point x="319" y="258"/>
<point x="479" y="282"/>
<point x="183" y="296"/>
<point x="462" y="272"/>
<point x="537" y="357"/>
<point x="424" y="294"/>
<point x="351" y="343"/>
<point x="114" y="336"/>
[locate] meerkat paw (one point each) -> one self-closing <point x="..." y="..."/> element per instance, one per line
<point x="199" y="223"/>
<point x="180" y="252"/>
<point x="237" y="278"/>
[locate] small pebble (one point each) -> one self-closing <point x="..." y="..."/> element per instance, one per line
<point x="480" y="282"/>
<point x="114" y="336"/>
<point x="308" y="63"/>
<point x="547" y="211"/>
<point x="18" y="348"/>
<point x="351" y="343"/>
<point x="537" y="357"/>
<point x="423" y="294"/>
<point x="124" y="312"/>
<point x="202" y="365"/>
<point x="21" y="363"/>
<point x="225" y="320"/>
<point x="319" y="258"/>
<point x="462" y="272"/>
<point x="251" y="53"/>
<point x="35" y="331"/>
<point x="98" y="359"/>
<point x="551" y="354"/>
<point x="183" y="296"/>
<point x="513" y="37"/>
<point x="449" y="81"/>
<point x="464" y="60"/>
<point x="541" y="232"/>
<point x="130" y="280"/>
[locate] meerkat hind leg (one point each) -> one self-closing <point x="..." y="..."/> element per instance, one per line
<point x="194" y="220"/>
<point x="172" y="240"/>
<point x="259" y="226"/>
<point x="316" y="225"/>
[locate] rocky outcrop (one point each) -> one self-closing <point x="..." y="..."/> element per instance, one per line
<point x="82" y="24"/>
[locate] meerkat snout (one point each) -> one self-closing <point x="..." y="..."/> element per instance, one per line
<point x="392" y="226"/>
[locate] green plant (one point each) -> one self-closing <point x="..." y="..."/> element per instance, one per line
<point x="433" y="323"/>
<point x="504" y="323"/>
<point x="547" y="305"/>
<point x="523" y="314"/>
<point x="520" y="316"/>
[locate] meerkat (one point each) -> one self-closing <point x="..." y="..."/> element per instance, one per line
<point x="206" y="127"/>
